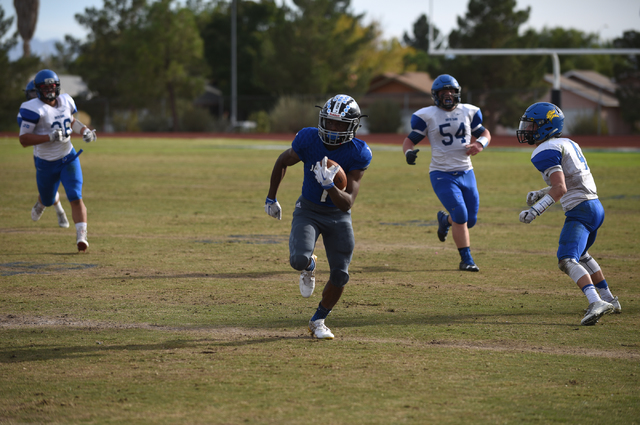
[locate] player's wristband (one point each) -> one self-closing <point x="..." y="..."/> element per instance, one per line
<point x="483" y="141"/>
<point x="542" y="205"/>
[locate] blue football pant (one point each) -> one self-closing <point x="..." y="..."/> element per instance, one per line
<point x="458" y="193"/>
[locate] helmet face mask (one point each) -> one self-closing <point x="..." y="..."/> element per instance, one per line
<point x="47" y="85"/>
<point x="447" y="100"/>
<point x="539" y="123"/>
<point x="339" y="120"/>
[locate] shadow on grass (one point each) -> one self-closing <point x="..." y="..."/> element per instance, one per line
<point x="56" y="352"/>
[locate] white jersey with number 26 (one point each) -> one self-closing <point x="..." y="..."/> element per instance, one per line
<point x="562" y="154"/>
<point x="40" y="118"/>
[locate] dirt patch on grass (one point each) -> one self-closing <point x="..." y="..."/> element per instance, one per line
<point x="12" y="321"/>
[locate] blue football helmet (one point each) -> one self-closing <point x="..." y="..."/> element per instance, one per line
<point x="445" y="81"/>
<point x="47" y="85"/>
<point x="30" y="91"/>
<point x="540" y="122"/>
<point x="339" y="120"/>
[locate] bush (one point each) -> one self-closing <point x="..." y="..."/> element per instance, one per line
<point x="586" y="124"/>
<point x="292" y="113"/>
<point x="385" y="116"/>
<point x="262" y="120"/>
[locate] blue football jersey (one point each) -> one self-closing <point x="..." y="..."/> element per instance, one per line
<point x="354" y="155"/>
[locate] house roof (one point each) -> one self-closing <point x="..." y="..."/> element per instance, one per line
<point x="592" y="78"/>
<point x="586" y="90"/>
<point x="420" y="82"/>
<point x="211" y="96"/>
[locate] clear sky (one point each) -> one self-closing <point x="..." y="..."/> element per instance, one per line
<point x="608" y="18"/>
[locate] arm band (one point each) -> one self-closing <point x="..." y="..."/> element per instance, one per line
<point x="483" y="141"/>
<point x="542" y="205"/>
<point x="77" y="126"/>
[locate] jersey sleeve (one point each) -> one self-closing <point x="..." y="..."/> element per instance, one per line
<point x="476" y="124"/>
<point x="363" y="160"/>
<point x="298" y="145"/>
<point x="418" y="129"/>
<point x="546" y="159"/>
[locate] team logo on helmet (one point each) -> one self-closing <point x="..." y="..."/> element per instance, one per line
<point x="551" y="115"/>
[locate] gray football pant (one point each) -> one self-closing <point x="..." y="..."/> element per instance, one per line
<point x="309" y="222"/>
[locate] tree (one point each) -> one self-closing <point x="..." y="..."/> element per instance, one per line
<point x="495" y="81"/>
<point x="315" y="52"/>
<point x="571" y="39"/>
<point x="141" y="55"/>
<point x="420" y="59"/>
<point x="13" y="76"/>
<point x="254" y="21"/>
<point x="27" y="13"/>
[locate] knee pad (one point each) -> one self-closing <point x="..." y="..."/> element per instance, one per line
<point x="299" y="262"/>
<point x="339" y="278"/>
<point x="572" y="268"/>
<point x="589" y="263"/>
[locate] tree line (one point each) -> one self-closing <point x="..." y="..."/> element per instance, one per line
<point x="151" y="59"/>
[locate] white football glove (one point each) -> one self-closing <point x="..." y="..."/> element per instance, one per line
<point x="536" y="195"/>
<point x="527" y="216"/>
<point x="325" y="175"/>
<point x="57" y="135"/>
<point x="89" y="136"/>
<point x="272" y="207"/>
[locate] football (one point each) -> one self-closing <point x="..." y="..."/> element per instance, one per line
<point x="340" y="179"/>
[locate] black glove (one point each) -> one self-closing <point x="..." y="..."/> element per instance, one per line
<point x="411" y="156"/>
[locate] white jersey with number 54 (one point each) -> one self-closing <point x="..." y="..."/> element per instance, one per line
<point x="449" y="133"/>
<point x="40" y="118"/>
<point x="562" y="154"/>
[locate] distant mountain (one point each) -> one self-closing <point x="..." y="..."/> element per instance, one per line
<point x="38" y="48"/>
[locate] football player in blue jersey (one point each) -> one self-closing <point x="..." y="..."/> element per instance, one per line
<point x="47" y="123"/>
<point x="568" y="177"/>
<point x="323" y="209"/>
<point x="449" y="127"/>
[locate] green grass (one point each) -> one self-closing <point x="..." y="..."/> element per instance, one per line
<point x="185" y="309"/>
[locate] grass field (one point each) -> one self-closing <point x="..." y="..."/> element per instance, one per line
<point x="185" y="310"/>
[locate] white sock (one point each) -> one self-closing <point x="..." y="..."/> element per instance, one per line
<point x="606" y="294"/>
<point x="59" y="208"/>
<point x="81" y="226"/>
<point x="591" y="293"/>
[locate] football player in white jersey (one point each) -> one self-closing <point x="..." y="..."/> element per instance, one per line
<point x="449" y="127"/>
<point x="568" y="177"/>
<point x="47" y="123"/>
<point x="30" y="93"/>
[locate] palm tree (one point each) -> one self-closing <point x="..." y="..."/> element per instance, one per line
<point x="27" y="13"/>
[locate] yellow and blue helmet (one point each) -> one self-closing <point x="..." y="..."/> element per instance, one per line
<point x="540" y="122"/>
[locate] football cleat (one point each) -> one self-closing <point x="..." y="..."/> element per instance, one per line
<point x="468" y="267"/>
<point x="617" y="309"/>
<point x="595" y="311"/>
<point x="319" y="330"/>
<point x="81" y="240"/>
<point x="308" y="279"/>
<point x="443" y="225"/>
<point x="62" y="220"/>
<point x="37" y="210"/>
